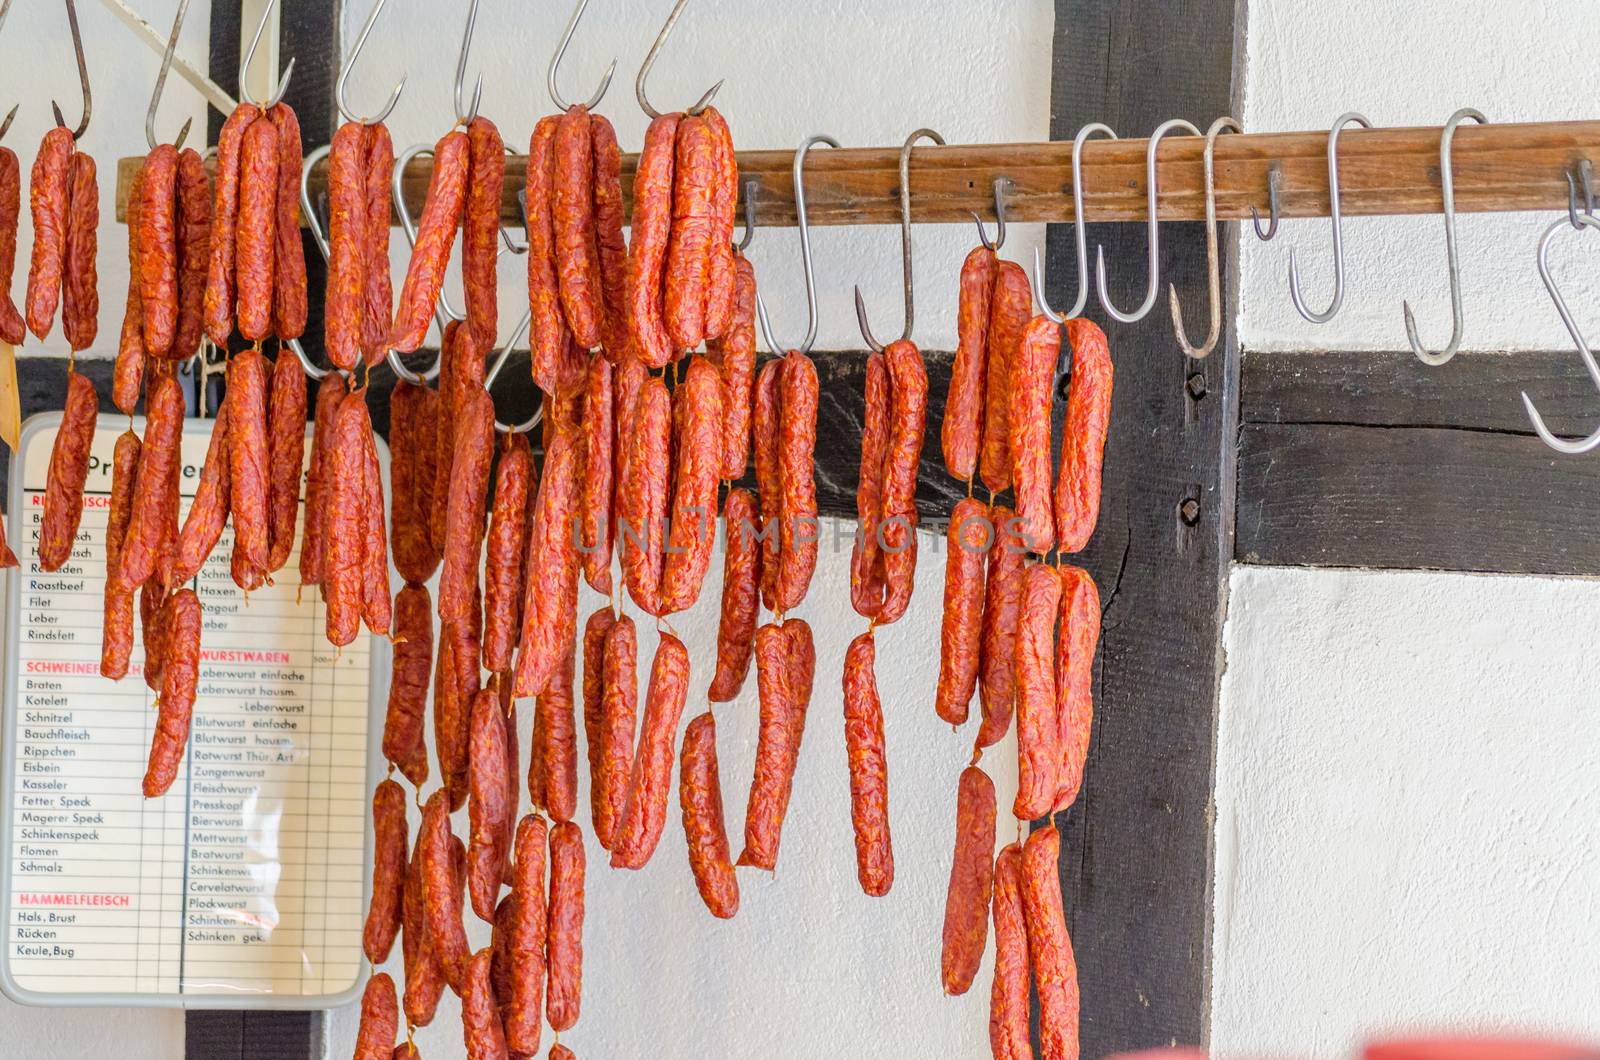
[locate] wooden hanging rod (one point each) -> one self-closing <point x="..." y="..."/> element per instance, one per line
<point x="1381" y="171"/>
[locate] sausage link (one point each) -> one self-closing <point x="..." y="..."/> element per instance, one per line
<point x="652" y="230"/>
<point x="650" y="780"/>
<point x="454" y="741"/>
<point x="49" y="194"/>
<point x="595" y="628"/>
<point x="424" y="976"/>
<point x="344" y="565"/>
<point x="13" y="328"/>
<point x="158" y="250"/>
<point x="403" y="741"/>
<point x="694" y="501"/>
<point x="180" y="672"/>
<point x="330" y="393"/>
<point x="208" y="512"/>
<point x="255" y="269"/>
<point x="1009" y="314"/>
<point x="378" y="301"/>
<point x="194" y="251"/>
<point x="1001" y="606"/>
<point x="564" y="937"/>
<point x="572" y="214"/>
<point x="220" y="273"/>
<point x="966" y="904"/>
<point x="481" y="1029"/>
<point x="505" y="915"/>
<point x="548" y="333"/>
<point x="441" y="893"/>
<point x="769" y="486"/>
<point x="611" y="247"/>
<point x="776" y="750"/>
<point x="163" y="433"/>
<point x="599" y="458"/>
<point x="1038" y="753"/>
<point x="480" y="237"/>
<point x="8" y="558"/>
<point x="1084" y="437"/>
<point x="1055" y="972"/>
<point x="413" y="426"/>
<point x="467" y="505"/>
<point x="734" y="353"/>
<point x="460" y="372"/>
<point x="69" y="470"/>
<point x="558" y="742"/>
<point x="866" y="558"/>
<point x="343" y="310"/>
<point x="80" y="287"/>
<point x="388" y="871"/>
<point x="869" y="769"/>
<point x="1008" y="1000"/>
<point x="441" y="216"/>
<point x="286" y="420"/>
<point x="1080" y="634"/>
<point x="1032" y="389"/>
<point x="908" y="383"/>
<point x="550" y="597"/>
<point x="152" y="629"/>
<point x="523" y="1010"/>
<point x="961" y="432"/>
<point x="961" y="633"/>
<point x="128" y="373"/>
<point x="721" y="269"/>
<point x="642" y="513"/>
<point x="619" y="711"/>
<point x="700" y="794"/>
<point x="797" y="443"/>
<point x="489" y="804"/>
<point x="741" y="597"/>
<point x="116" y="642"/>
<point x="380" y="1019"/>
<point x="693" y="228"/>
<point x="248" y="457"/>
<point x="506" y="554"/>
<point x="289" y="307"/>
<point x="376" y="605"/>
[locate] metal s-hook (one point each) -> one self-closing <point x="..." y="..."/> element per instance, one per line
<point x="1338" y="230"/>
<point x="1213" y="267"/>
<point x="1001" y="186"/>
<point x="161" y="84"/>
<point x="273" y="98"/>
<point x="1561" y="445"/>
<point x="1448" y="184"/>
<point x="750" y="188"/>
<point x="1154" y="254"/>
<point x="1081" y="233"/>
<point x="1274" y="182"/>
<point x="349" y="64"/>
<point x="555" y="65"/>
<point x="83" y="75"/>
<point x="805" y="251"/>
<point x="650" y="60"/>
<point x="465" y="114"/>
<point x="905" y="242"/>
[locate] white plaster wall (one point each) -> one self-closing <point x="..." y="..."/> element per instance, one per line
<point x="1414" y="64"/>
<point x="1408" y="776"/>
<point x="866" y="74"/>
<point x="36" y="55"/>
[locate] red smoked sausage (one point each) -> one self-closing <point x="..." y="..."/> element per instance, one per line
<point x="379" y="300"/>
<point x="80" y="286"/>
<point x="619" y="710"/>
<point x="1084" y="438"/>
<point x="12" y="327"/>
<point x="610" y="244"/>
<point x="557" y="746"/>
<point x="641" y="518"/>
<point x="548" y="336"/>
<point x="694" y="501"/>
<point x="424" y="977"/>
<point x="962" y="430"/>
<point x="595" y="628"/>
<point x="1001" y="607"/>
<point x="650" y="782"/>
<point x="1008" y="1001"/>
<point x="194" y="251"/>
<point x="116" y="642"/>
<point x="564" y="936"/>
<point x="783" y="708"/>
<point x="330" y="392"/>
<point x="286" y="420"/>
<point x="961" y="631"/>
<point x="693" y="229"/>
<point x="50" y="192"/>
<point x="524" y="1008"/>
<point x="403" y="740"/>
<point x="1032" y="390"/>
<point x="441" y="891"/>
<point x="179" y="673"/>
<point x="866" y="558"/>
<point x="160" y="457"/>
<point x="869" y="771"/>
<point x="486" y="179"/>
<point x="908" y="383"/>
<point x="348" y="261"/>
<point x="380" y="1019"/>
<point x="220" y="274"/>
<point x="599" y="461"/>
<point x="1038" y="753"/>
<point x="441" y="217"/>
<point x="1080" y="633"/>
<point x="572" y="214"/>
<point x="1055" y="972"/>
<point x="652" y="230"/>
<point x="550" y="596"/>
<point x="741" y="598"/>
<point x="506" y="554"/>
<point x="700" y="794"/>
<point x="734" y="353"/>
<point x="289" y="307"/>
<point x="966" y="908"/>
<point x="1009" y="314"/>
<point x="489" y="805"/>
<point x="467" y="504"/>
<point x="481" y="1028"/>
<point x="376" y="606"/>
<point x="69" y="470"/>
<point x="255" y="271"/>
<point x="388" y="871"/>
<point x="248" y="458"/>
<point x="797" y="443"/>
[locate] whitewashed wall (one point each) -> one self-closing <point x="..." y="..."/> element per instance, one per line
<point x="1406" y="761"/>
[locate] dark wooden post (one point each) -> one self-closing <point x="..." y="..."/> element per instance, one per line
<point x="1136" y="857"/>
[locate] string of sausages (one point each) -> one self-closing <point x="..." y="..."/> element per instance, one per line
<point x="1021" y="635"/>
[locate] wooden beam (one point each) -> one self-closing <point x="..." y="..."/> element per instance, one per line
<point x="1382" y="171"/>
<point x="1361" y="459"/>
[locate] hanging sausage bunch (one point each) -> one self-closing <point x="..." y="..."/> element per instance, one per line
<point x="13" y="329"/>
<point x="1022" y="635"/>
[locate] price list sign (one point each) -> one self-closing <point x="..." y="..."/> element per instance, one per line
<point x="244" y="885"/>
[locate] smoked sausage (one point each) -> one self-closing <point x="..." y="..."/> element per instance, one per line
<point x="783" y="710"/>
<point x="966" y="907"/>
<point x="158" y="459"/>
<point x="523" y="1009"/>
<point x="619" y="710"/>
<point x="573" y="225"/>
<point x="441" y="217"/>
<point x="413" y="426"/>
<point x="194" y="252"/>
<point x="595" y="628"/>
<point x="550" y="596"/>
<point x="961" y="433"/>
<point x="379" y="299"/>
<point x="481" y="1028"/>
<point x="255" y="275"/>
<point x="221" y="270"/>
<point x="1080" y="633"/>
<point x="1055" y="971"/>
<point x="741" y="598"/>
<point x="388" y="871"/>
<point x="506" y="554"/>
<point x="650" y="782"/>
<point x="1038" y="753"/>
<point x="764" y="444"/>
<point x="1008" y="1001"/>
<point x="1032" y="389"/>
<point x="286" y="420"/>
<point x="50" y="193"/>
<point x="797" y="443"/>
<point x="908" y="383"/>
<point x="734" y="354"/>
<point x="693" y="229"/>
<point x="179" y="673"/>
<point x="564" y="935"/>
<point x="158" y="250"/>
<point x="694" y="501"/>
<point x="480" y="236"/>
<point x="700" y="794"/>
<point x="208" y="512"/>
<point x="1084" y="437"/>
<point x="248" y="458"/>
<point x="489" y="804"/>
<point x="721" y="270"/>
<point x="128" y="373"/>
<point x="611" y="246"/>
<point x="441" y="891"/>
<point x="330" y="393"/>
<point x="80" y="286"/>
<point x="548" y="335"/>
<point x="599" y="460"/>
<point x="348" y="261"/>
<point x="652" y="230"/>
<point x="971" y="536"/>
<point x="344" y="531"/>
<point x="380" y="1019"/>
<point x="642" y="511"/>
<point x="12" y="327"/>
<point x="1001" y="606"/>
<point x="467" y="503"/>
<point x="557" y="746"/>
<point x="403" y="740"/>
<point x="424" y="977"/>
<point x="116" y="643"/>
<point x="869" y="772"/>
<point x="69" y="470"/>
<point x="1009" y="313"/>
<point x="289" y="305"/>
<point x="866" y="559"/>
